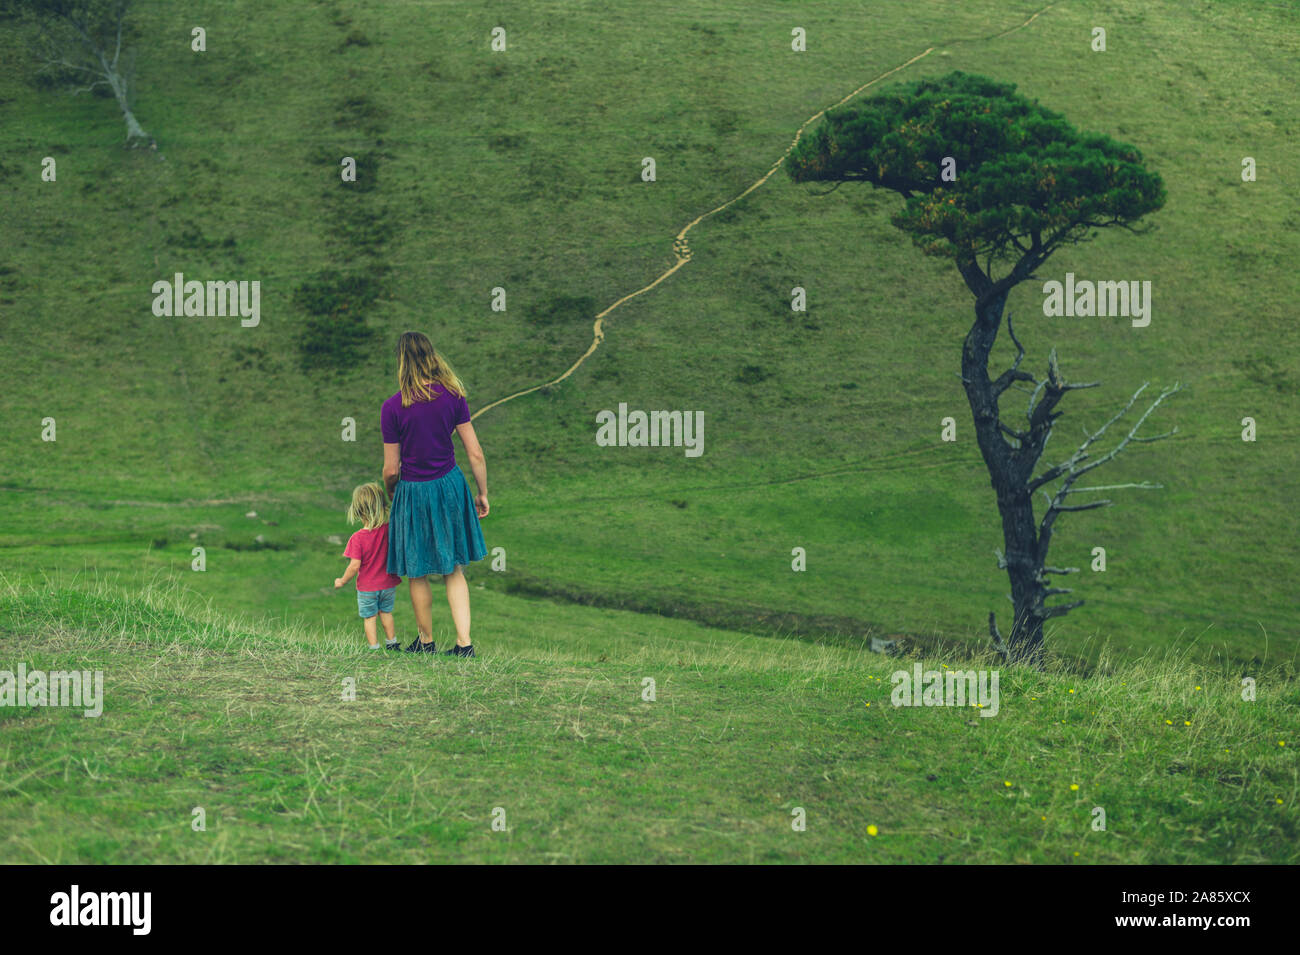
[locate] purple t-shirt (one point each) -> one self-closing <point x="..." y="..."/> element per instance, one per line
<point x="424" y="432"/>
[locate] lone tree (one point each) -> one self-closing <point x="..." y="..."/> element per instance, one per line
<point x="81" y="42"/>
<point x="1027" y="183"/>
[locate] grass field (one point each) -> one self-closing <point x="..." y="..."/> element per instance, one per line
<point x="249" y="724"/>
<point x="521" y="170"/>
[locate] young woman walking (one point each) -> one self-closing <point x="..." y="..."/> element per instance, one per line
<point x="434" y="523"/>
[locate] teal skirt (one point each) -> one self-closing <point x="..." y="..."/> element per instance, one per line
<point x="433" y="527"/>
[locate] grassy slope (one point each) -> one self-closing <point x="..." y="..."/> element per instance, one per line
<point x="521" y="171"/>
<point x="247" y="722"/>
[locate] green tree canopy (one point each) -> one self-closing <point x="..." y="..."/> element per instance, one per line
<point x="1026" y="183"/>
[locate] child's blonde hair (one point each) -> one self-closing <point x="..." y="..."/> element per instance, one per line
<point x="369" y="505"/>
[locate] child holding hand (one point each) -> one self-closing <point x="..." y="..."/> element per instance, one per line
<point x="368" y="553"/>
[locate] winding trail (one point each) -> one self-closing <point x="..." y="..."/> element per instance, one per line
<point x="682" y="250"/>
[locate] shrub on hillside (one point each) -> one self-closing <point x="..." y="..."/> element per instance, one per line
<point x="336" y="334"/>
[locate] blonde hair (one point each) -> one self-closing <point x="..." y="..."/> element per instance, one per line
<point x="418" y="366"/>
<point x="369" y="506"/>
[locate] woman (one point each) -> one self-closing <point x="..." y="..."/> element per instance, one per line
<point x="433" y="527"/>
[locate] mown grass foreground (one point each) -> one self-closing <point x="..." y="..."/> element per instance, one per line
<point x="549" y="726"/>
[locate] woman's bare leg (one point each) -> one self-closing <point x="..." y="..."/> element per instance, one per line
<point x="422" y="606"/>
<point x="458" y="600"/>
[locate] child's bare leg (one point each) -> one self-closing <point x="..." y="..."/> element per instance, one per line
<point x="372" y="636"/>
<point x="387" y="620"/>
<point x="422" y="606"/>
<point x="458" y="600"/>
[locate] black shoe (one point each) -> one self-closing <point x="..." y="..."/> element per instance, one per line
<point x="394" y="645"/>
<point x="418" y="647"/>
<point x="459" y="651"/>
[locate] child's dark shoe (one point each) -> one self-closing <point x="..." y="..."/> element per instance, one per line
<point x="459" y="651"/>
<point x="393" y="645"/>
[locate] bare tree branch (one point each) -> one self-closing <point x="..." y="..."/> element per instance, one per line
<point x="1062" y="610"/>
<point x="1018" y="435"/>
<point x="1074" y="472"/>
<point x="1079" y="507"/>
<point x="998" y="643"/>
<point x="1012" y="374"/>
<point x="1144" y="486"/>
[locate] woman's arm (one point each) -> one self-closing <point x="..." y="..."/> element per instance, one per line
<point x="477" y="465"/>
<point x="392" y="466"/>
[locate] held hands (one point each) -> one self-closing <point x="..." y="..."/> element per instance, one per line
<point x="481" y="505"/>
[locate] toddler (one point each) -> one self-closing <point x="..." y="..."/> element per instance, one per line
<point x="368" y="553"/>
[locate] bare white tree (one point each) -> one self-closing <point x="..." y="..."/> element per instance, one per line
<point x="81" y="41"/>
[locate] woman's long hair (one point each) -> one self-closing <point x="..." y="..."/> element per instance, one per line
<point x="418" y="365"/>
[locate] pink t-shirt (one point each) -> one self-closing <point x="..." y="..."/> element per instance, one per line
<point x="371" y="548"/>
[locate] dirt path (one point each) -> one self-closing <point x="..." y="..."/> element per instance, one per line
<point x="681" y="249"/>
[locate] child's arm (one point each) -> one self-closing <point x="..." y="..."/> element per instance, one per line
<point x="353" y="567"/>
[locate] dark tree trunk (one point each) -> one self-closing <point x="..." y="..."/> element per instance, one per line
<point x="1009" y="473"/>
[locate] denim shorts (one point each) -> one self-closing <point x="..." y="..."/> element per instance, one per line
<point x="371" y="602"/>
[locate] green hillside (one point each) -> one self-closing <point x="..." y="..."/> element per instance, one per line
<point x="521" y="170"/>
